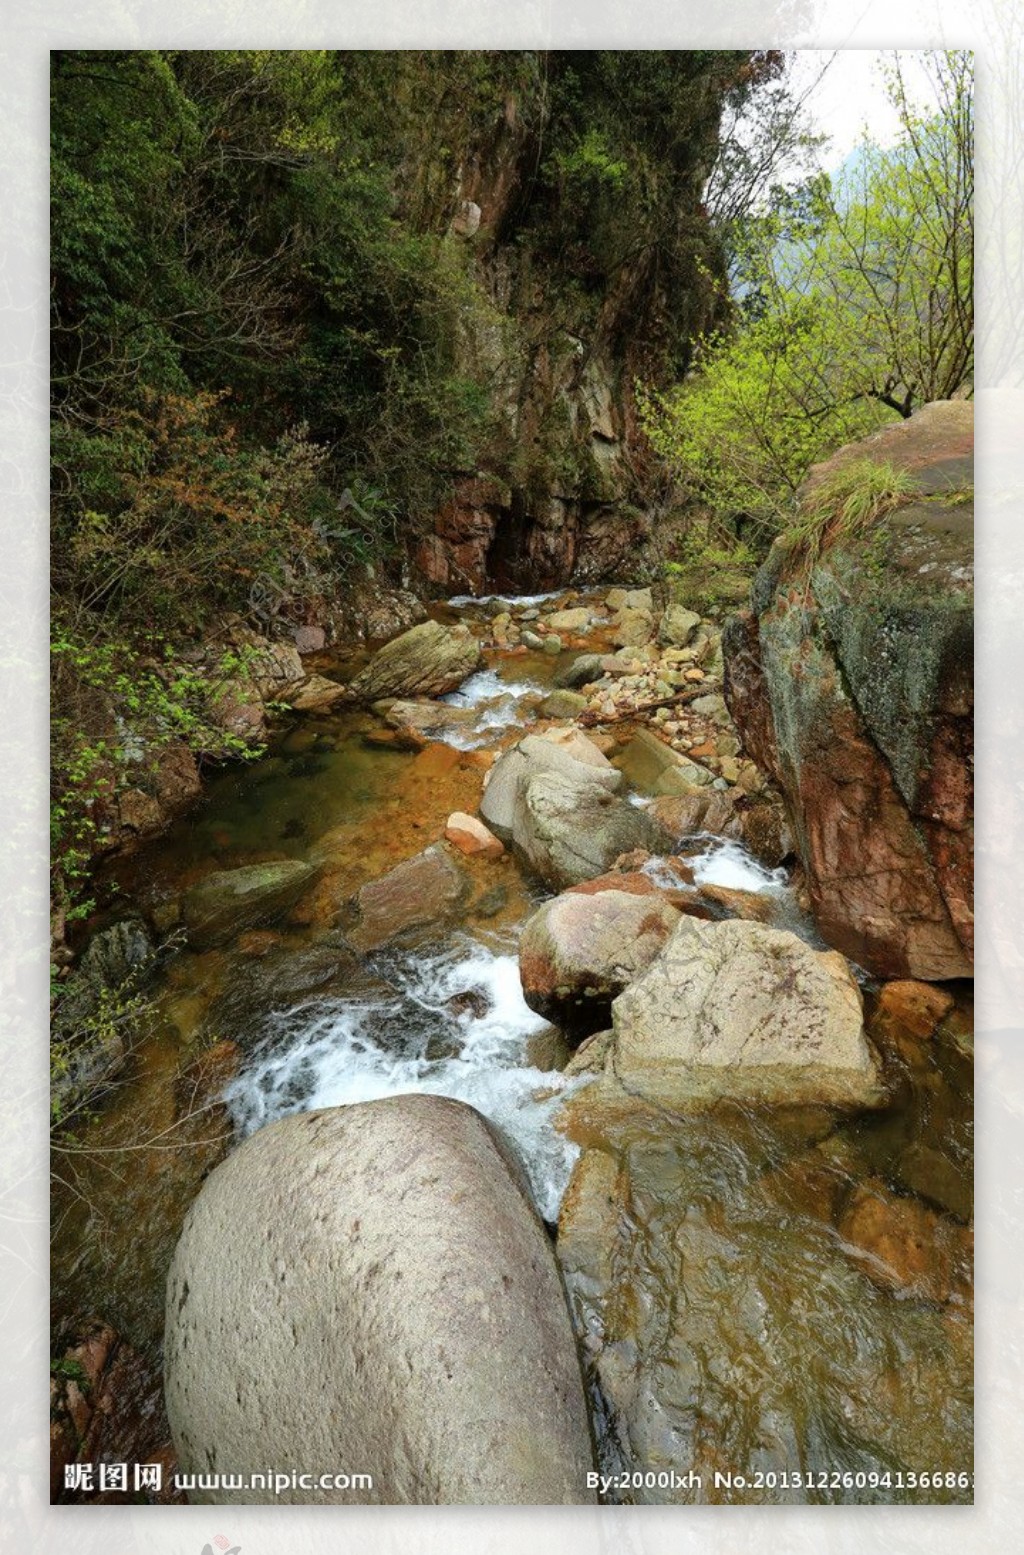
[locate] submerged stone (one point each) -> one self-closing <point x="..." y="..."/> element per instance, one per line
<point x="231" y="900"/>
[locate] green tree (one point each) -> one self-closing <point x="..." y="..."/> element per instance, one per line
<point x="854" y="304"/>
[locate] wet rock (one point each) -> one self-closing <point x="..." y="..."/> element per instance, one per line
<point x="423" y="891"/>
<point x="106" y="1407"/>
<point x="570" y="828"/>
<point x="913" y="1009"/>
<point x="655" y="768"/>
<point x="580" y="671"/>
<point x="632" y="881"/>
<point x="728" y="1337"/>
<point x="317" y="694"/>
<point x="548" y="1049"/>
<point x="568" y="620"/>
<point x="682" y="814"/>
<point x="382" y="1260"/>
<point x="425" y="720"/>
<point x="552" y="644"/>
<point x="581" y="950"/>
<point x="200" y="1083"/>
<point x="939" y="1181"/>
<point x="902" y="1245"/>
<point x="257" y="942"/>
<point x="753" y="905"/>
<point x="284" y="976"/>
<point x="533" y="641"/>
<point x="471" y="836"/>
<point x="310" y="639"/>
<point x="737" y="1010"/>
<point x="852" y="688"/>
<point x="591" y="1055"/>
<point x="426" y="661"/>
<point x="231" y="900"/>
<point x="765" y="830"/>
<point x="493" y="901"/>
<point x="165" y="915"/>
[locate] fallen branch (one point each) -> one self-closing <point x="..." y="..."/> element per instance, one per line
<point x="678" y="699"/>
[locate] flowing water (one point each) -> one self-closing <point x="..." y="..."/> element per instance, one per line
<point x="448" y="1017"/>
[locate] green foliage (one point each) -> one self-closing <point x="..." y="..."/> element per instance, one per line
<point x="71" y="1371"/>
<point x="710" y="569"/>
<point x="110" y="1019"/>
<point x="116" y="706"/>
<point x="272" y="357"/>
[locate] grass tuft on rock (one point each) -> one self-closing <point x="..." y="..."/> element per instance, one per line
<point x="848" y="502"/>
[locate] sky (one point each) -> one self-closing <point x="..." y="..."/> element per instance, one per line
<point x="845" y="93"/>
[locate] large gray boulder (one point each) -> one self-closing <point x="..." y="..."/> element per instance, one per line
<point x="231" y="900"/>
<point x="739" y="1011"/>
<point x="426" y="661"/>
<point x="569" y="831"/>
<point x="565" y="751"/>
<point x="553" y="797"/>
<point x="367" y="1288"/>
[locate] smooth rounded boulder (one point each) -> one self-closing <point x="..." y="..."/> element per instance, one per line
<point x="368" y="1289"/>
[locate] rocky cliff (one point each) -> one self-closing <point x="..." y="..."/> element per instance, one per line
<point x="851" y="682"/>
<point x="575" y="198"/>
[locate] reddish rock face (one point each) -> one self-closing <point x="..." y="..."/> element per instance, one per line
<point x="851" y="687"/>
<point x="455" y="555"/>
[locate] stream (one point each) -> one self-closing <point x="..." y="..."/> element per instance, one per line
<point x="447" y="1016"/>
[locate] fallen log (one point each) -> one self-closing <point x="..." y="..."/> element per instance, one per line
<point x="592" y="717"/>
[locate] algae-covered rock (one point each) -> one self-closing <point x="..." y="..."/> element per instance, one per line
<point x="231" y="900"/>
<point x="851" y="684"/>
<point x="426" y="661"/>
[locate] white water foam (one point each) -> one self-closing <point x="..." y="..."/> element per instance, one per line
<point x="526" y="601"/>
<point x="334" y="1054"/>
<point x="723" y="862"/>
<point x="497" y="702"/>
<point x="727" y="863"/>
